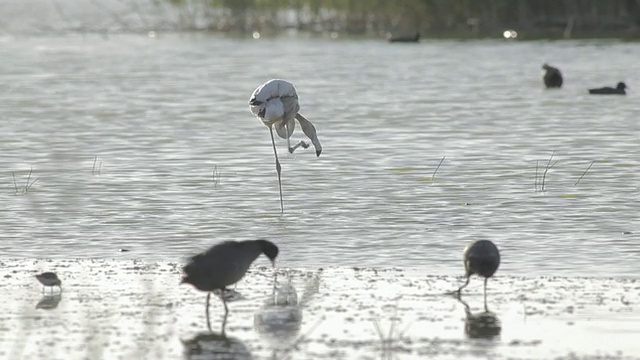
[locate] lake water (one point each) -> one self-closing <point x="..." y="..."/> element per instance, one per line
<point x="180" y="162"/>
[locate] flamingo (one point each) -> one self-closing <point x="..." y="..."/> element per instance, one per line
<point x="275" y="103"/>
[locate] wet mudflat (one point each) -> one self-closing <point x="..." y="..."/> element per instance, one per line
<point x="121" y="309"/>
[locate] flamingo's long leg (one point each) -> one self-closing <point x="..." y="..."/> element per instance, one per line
<point x="278" y="169"/>
<point x="293" y="148"/>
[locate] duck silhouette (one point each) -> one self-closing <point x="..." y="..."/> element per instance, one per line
<point x="607" y="90"/>
<point x="406" y="38"/>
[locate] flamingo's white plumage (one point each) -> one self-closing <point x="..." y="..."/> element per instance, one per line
<point x="276" y="104"/>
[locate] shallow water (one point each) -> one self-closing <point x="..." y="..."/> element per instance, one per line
<point x="134" y="309"/>
<point x="180" y="163"/>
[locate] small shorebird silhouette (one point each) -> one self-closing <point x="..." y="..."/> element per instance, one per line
<point x="552" y="77"/>
<point x="607" y="90"/>
<point x="275" y="103"/>
<point x="225" y="264"/>
<point x="49" y="279"/>
<point x="482" y="258"/>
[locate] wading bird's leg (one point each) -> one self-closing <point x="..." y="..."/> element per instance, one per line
<point x="278" y="169"/>
<point x="485" y="294"/>
<point x="293" y="148"/>
<point x="226" y="311"/>
<point x="463" y="286"/>
<point x="207" y="311"/>
<point x="224" y="325"/>
<point x="301" y="143"/>
<point x="275" y="287"/>
<point x="224" y="302"/>
<point x="467" y="309"/>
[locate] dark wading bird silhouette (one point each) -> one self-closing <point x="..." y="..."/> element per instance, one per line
<point x="482" y="258"/>
<point x="607" y="90"/>
<point x="275" y="103"/>
<point x="49" y="279"/>
<point x="225" y="264"/>
<point x="552" y="77"/>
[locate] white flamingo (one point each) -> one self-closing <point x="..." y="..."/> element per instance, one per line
<point x="275" y="103"/>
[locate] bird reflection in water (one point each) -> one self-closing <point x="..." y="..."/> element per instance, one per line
<point x="482" y="325"/>
<point x="210" y="345"/>
<point x="49" y="302"/>
<point x="280" y="317"/>
<point x="279" y="320"/>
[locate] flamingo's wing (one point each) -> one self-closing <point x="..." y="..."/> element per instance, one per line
<point x="290" y="108"/>
<point x="285" y="131"/>
<point x="310" y="131"/>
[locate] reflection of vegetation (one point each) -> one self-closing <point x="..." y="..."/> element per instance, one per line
<point x="394" y="340"/>
<point x="541" y="17"/>
<point x="27" y="186"/>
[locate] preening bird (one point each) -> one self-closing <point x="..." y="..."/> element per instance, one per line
<point x="481" y="258"/>
<point x="276" y="104"/>
<point x="552" y="77"/>
<point x="225" y="264"/>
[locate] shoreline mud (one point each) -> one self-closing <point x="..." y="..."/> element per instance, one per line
<point x="120" y="309"/>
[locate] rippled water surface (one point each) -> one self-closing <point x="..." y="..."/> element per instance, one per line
<point x="180" y="162"/>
